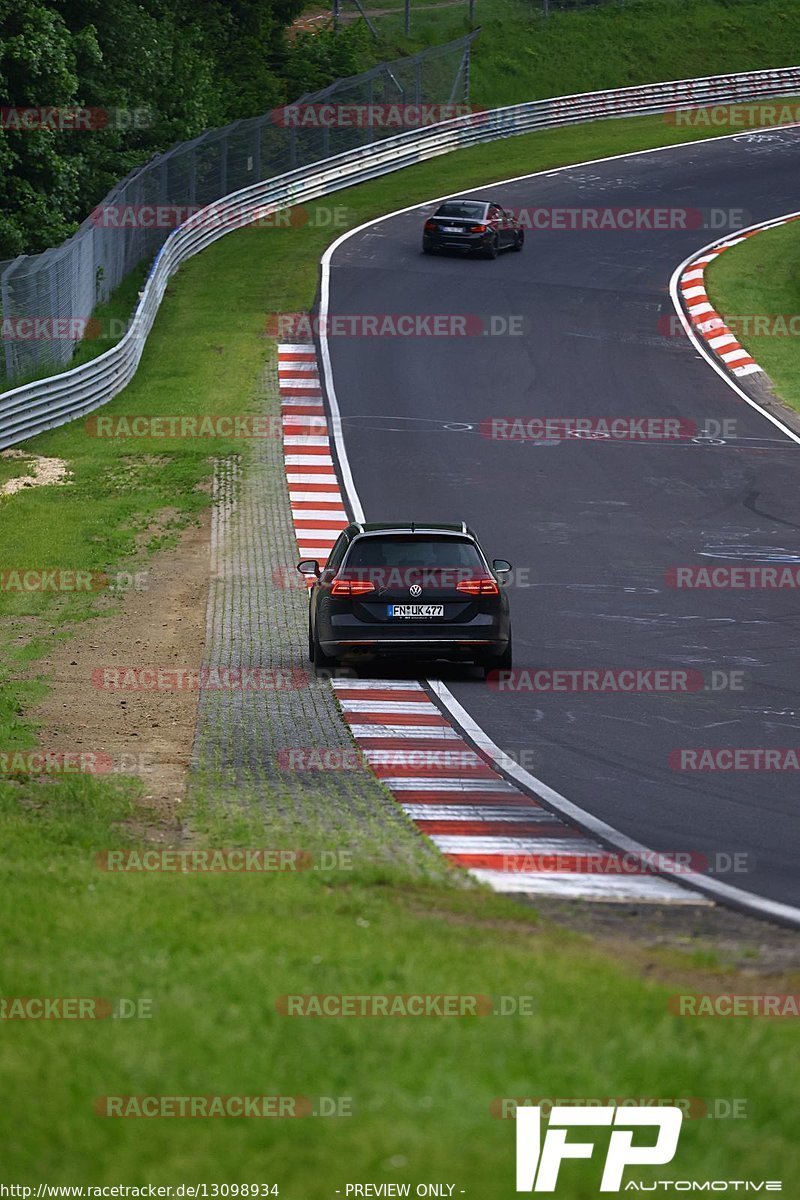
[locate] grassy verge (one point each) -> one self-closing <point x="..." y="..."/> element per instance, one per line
<point x="521" y="55"/>
<point x="760" y="278"/>
<point x="213" y="952"/>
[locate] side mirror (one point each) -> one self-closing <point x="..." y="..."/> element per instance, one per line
<point x="501" y="566"/>
<point x="308" y="566"/>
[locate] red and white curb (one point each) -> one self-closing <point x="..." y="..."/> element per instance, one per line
<point x="706" y="322"/>
<point x="454" y="794"/>
<point x="318" y="512"/>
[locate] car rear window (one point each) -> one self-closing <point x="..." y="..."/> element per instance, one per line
<point x="461" y="208"/>
<point x="411" y="550"/>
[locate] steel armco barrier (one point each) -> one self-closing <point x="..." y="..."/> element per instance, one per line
<point x="35" y="407"/>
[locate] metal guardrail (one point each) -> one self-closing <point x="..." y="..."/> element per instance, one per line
<point x="45" y="404"/>
<point x="47" y="299"/>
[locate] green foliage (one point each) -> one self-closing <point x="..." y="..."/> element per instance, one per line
<point x="184" y="66"/>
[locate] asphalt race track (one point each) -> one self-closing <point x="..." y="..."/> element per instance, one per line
<point x="595" y="524"/>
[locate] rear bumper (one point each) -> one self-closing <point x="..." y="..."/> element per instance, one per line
<point x="484" y="636"/>
<point x="467" y="242"/>
<point x="462" y="650"/>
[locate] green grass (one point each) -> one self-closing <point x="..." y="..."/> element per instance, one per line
<point x="520" y="55"/>
<point x="214" y="952"/>
<point x="761" y="277"/>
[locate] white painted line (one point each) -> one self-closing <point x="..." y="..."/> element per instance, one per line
<point x="374" y="685"/>
<point x="520" y="847"/>
<point x="388" y="707"/>
<point x="300" y="497"/>
<point x="411" y="733"/>
<point x="308" y="477"/>
<point x="318" y="536"/>
<point x="296" y="348"/>
<point x="516" y="815"/>
<point x="319" y="514"/>
<point x="428" y="783"/>
<point x="308" y="460"/>
<point x="588" y="887"/>
<point x="313" y="422"/>
<point x="724" y="339"/>
<point x="457" y="759"/>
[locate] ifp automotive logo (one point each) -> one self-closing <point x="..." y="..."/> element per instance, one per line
<point x="539" y="1161"/>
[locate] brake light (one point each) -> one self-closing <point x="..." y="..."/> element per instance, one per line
<point x="477" y="229"/>
<point x="479" y="587"/>
<point x="430" y="226"/>
<point x="351" y="587"/>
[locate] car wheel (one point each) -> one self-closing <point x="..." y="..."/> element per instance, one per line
<point x="499" y="662"/>
<point x="310" y="643"/>
<point x="491" y="250"/>
<point x="428" y="250"/>
<point x="323" y="663"/>
<point x="519" y="241"/>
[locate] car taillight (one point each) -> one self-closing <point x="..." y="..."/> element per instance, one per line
<point x="351" y="587"/>
<point x="477" y="229"/>
<point x="478" y="587"/>
<point x="430" y="227"/>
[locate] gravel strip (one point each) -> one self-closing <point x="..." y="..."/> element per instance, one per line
<point x="257" y="618"/>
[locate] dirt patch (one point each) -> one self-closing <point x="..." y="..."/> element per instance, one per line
<point x="147" y="733"/>
<point x="46" y="471"/>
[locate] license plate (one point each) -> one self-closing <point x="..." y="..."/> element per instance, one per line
<point x="415" y="610"/>
<point x="452" y="229"/>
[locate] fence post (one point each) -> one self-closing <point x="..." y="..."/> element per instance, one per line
<point x="5" y="309"/>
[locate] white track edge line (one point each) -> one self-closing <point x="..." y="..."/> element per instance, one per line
<point x="702" y="883"/>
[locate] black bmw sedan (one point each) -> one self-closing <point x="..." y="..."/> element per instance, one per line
<point x="477" y="226"/>
<point x="420" y="591"/>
